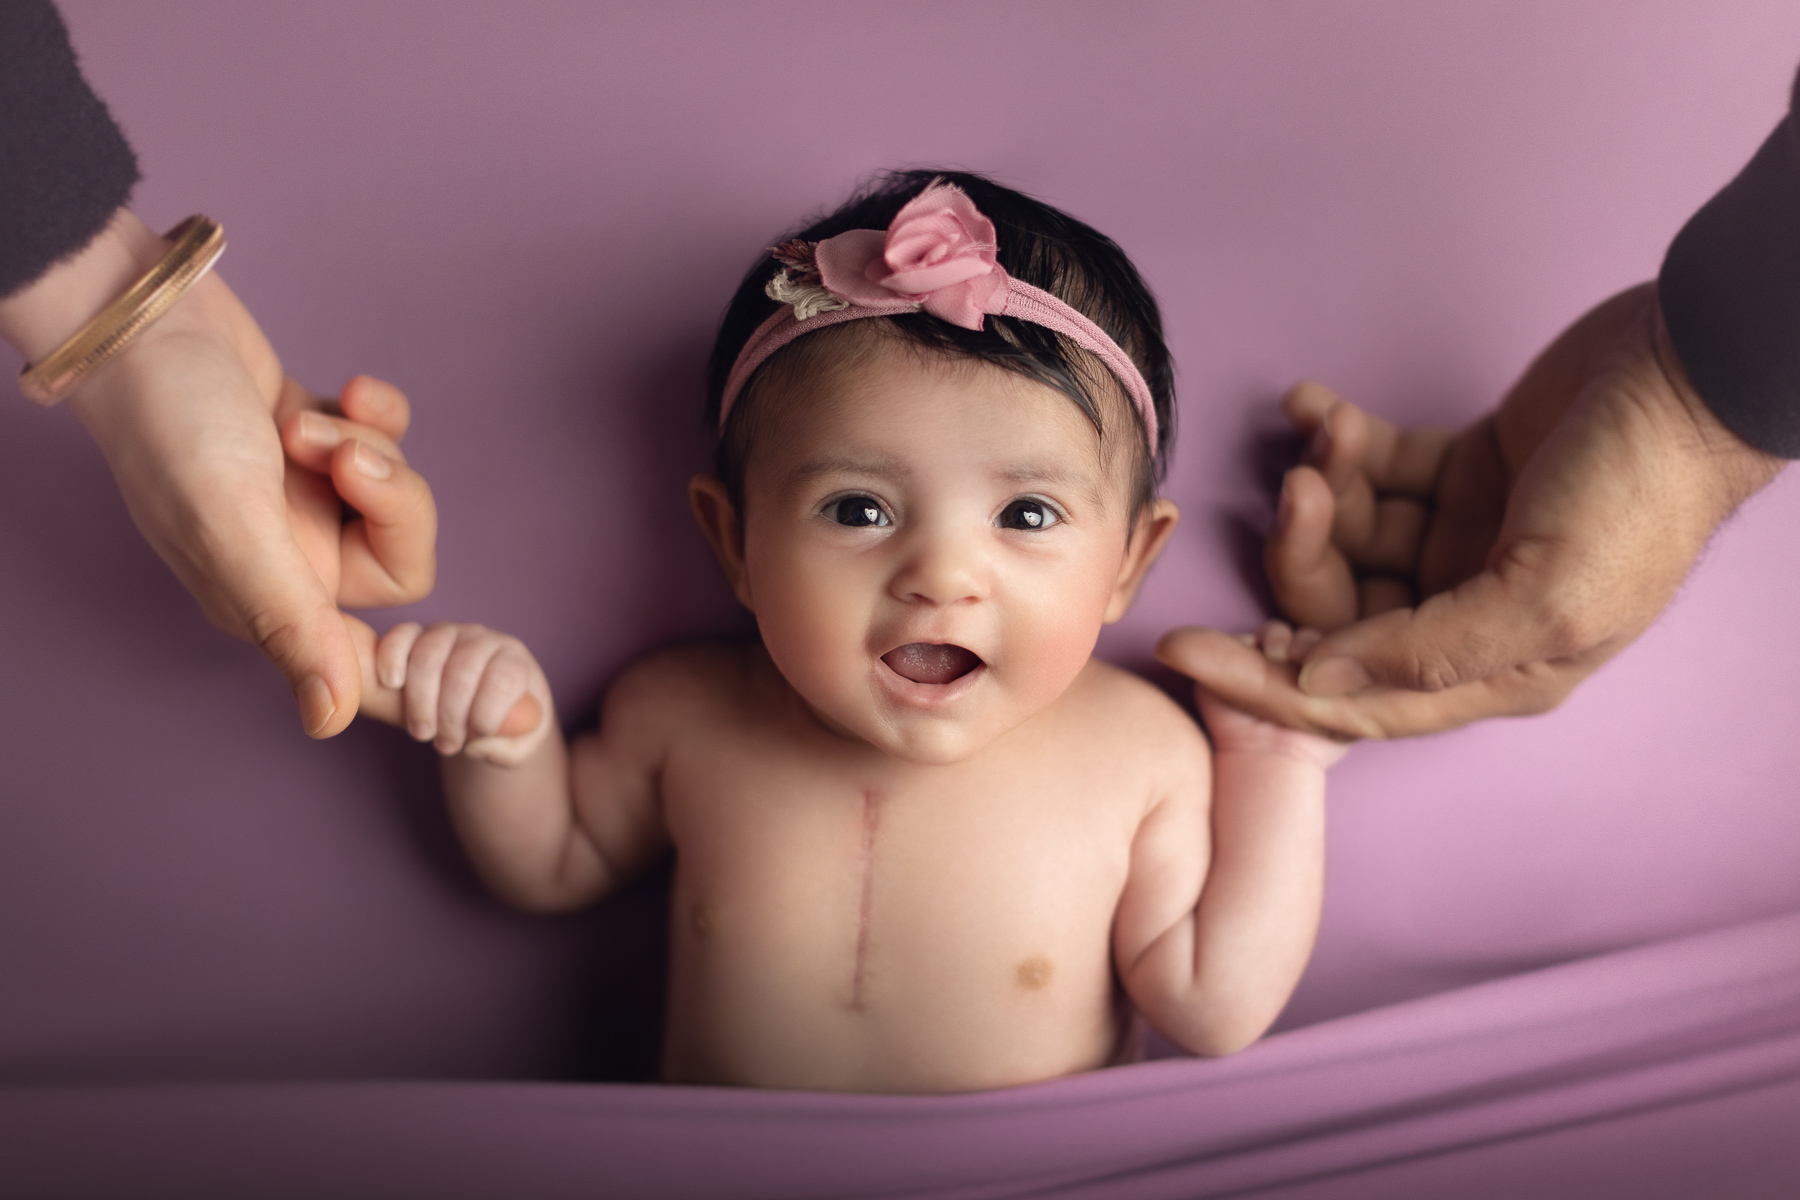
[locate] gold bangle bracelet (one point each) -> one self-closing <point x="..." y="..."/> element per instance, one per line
<point x="198" y="243"/>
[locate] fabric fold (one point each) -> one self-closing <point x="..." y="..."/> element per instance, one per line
<point x="1597" y="1040"/>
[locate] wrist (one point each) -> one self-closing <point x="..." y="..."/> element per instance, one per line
<point x="1738" y="469"/>
<point x="1284" y="750"/>
<point x="45" y="313"/>
<point x="207" y="326"/>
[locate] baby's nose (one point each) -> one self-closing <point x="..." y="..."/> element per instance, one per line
<point x="941" y="568"/>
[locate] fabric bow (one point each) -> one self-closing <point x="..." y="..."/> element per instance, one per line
<point x="937" y="254"/>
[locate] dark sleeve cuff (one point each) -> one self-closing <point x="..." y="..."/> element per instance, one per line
<point x="1730" y="295"/>
<point x="66" y="166"/>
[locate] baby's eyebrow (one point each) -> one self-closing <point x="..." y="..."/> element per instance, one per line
<point x="1047" y="473"/>
<point x="843" y="464"/>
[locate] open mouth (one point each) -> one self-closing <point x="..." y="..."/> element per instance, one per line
<point x="931" y="662"/>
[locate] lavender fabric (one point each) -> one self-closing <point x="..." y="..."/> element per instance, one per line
<point x="1559" y="954"/>
<point x="1682" y="1025"/>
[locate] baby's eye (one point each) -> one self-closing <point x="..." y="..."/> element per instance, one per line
<point x="1028" y="514"/>
<point x="858" y="511"/>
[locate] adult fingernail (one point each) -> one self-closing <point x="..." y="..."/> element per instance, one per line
<point x="316" y="430"/>
<point x="316" y="705"/>
<point x="1333" y="677"/>
<point x="372" y="462"/>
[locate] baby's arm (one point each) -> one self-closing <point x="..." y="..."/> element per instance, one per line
<point x="1219" y="915"/>
<point x="548" y="827"/>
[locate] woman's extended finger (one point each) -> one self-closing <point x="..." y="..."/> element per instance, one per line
<point x="389" y="553"/>
<point x="379" y="701"/>
<point x="377" y="404"/>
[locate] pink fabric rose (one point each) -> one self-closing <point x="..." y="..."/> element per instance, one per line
<point x="939" y="253"/>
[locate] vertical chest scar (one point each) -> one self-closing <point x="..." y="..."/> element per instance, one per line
<point x="871" y="821"/>
<point x="1034" y="974"/>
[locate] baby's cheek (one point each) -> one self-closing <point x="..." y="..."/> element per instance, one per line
<point x="1052" y="642"/>
<point x="814" y="627"/>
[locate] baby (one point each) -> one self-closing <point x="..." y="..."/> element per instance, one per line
<point x="923" y="840"/>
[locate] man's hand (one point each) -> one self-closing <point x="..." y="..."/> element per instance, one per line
<point x="1487" y="573"/>
<point x="1233" y="731"/>
<point x="186" y="416"/>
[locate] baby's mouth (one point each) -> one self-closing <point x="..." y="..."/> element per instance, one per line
<point x="931" y="662"/>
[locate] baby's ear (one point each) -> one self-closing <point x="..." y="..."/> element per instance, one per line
<point x="717" y="517"/>
<point x="1151" y="534"/>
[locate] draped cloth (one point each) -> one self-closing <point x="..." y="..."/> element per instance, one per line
<point x="1580" y="1050"/>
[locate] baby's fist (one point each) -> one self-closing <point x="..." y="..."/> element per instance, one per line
<point x="1234" y="729"/>
<point x="466" y="689"/>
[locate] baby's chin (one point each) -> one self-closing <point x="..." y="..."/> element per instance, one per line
<point x="923" y="739"/>
<point x="935" y="742"/>
<point x="940" y="743"/>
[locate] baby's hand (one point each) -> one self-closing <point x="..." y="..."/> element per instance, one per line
<point x="464" y="688"/>
<point x="1234" y="729"/>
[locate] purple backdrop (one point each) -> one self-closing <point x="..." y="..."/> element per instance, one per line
<point x="529" y="216"/>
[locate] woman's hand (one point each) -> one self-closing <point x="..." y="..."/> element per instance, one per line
<point x="380" y="553"/>
<point x="1489" y="572"/>
<point x="186" y="416"/>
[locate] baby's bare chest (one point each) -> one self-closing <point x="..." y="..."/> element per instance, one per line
<point x="875" y="884"/>
<point x="836" y="925"/>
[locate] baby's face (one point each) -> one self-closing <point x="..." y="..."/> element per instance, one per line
<point x="931" y="548"/>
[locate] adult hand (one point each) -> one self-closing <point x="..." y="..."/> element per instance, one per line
<point x="1488" y="572"/>
<point x="186" y="416"/>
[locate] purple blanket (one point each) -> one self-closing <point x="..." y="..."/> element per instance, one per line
<point x="1687" y="1027"/>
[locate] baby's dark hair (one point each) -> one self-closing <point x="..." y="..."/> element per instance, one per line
<point x="1037" y="244"/>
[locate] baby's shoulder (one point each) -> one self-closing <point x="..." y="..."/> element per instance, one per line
<point x="681" y="684"/>
<point x="1151" y="742"/>
<point x="1141" y="720"/>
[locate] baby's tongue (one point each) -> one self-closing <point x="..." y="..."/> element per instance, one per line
<point x="927" y="662"/>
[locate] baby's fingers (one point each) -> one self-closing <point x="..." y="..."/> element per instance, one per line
<point x="463" y="679"/>
<point x="424" y="679"/>
<point x="392" y="654"/>
<point x="504" y="684"/>
<point x="511" y="715"/>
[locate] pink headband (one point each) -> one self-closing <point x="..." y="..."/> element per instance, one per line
<point x="938" y="256"/>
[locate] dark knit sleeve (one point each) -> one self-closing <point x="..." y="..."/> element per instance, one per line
<point x="1730" y="294"/>
<point x="64" y="163"/>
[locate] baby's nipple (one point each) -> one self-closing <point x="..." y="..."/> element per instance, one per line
<point x="931" y="662"/>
